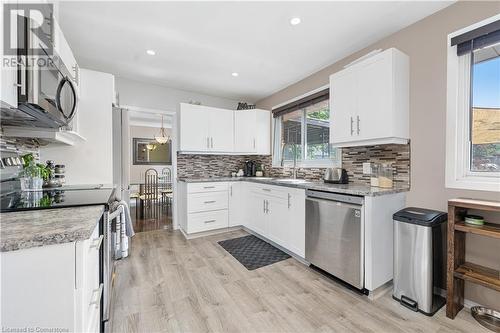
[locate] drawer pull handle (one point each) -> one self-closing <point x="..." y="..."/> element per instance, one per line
<point x="97" y="302"/>
<point x="96" y="243"/>
<point x="266" y="189"/>
<point x="210" y="201"/>
<point x="207" y="187"/>
<point x="210" y="221"/>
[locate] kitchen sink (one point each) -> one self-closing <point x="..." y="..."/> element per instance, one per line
<point x="291" y="180"/>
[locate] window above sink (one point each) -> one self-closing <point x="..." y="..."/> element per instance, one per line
<point x="302" y="132"/>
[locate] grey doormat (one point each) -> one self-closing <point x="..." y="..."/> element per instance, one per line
<point x="252" y="252"/>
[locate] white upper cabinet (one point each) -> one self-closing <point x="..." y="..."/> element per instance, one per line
<point x="205" y="129"/>
<point x="193" y="128"/>
<point x="252" y="132"/>
<point x="63" y="49"/>
<point x="369" y="101"/>
<point x="220" y="130"/>
<point x="245" y="126"/>
<point x="211" y="130"/>
<point x="8" y="74"/>
<point x="343" y="106"/>
<point x="263" y="132"/>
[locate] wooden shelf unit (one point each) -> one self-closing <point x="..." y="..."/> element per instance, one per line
<point x="488" y="229"/>
<point x="458" y="270"/>
<point x="484" y="276"/>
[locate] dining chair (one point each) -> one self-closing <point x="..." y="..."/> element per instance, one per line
<point x="166" y="187"/>
<point x="149" y="195"/>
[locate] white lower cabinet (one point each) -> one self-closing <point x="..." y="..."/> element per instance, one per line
<point x="203" y="206"/>
<point x="278" y="214"/>
<point x="257" y="213"/>
<point x="238" y="209"/>
<point x="206" y="221"/>
<point x="53" y="286"/>
<point x="297" y="222"/>
<point x="274" y="212"/>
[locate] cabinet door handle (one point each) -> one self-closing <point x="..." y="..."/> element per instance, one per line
<point x="210" y="201"/>
<point x="231" y="190"/>
<point x="211" y="142"/>
<point x="267" y="207"/>
<point x="352" y="129"/>
<point x="208" y="142"/>
<point x="357" y="123"/>
<point x="253" y="143"/>
<point x="264" y="207"/>
<point x="22" y="84"/>
<point x="289" y="202"/>
<point x="97" y="302"/>
<point x="96" y="243"/>
<point x="266" y="189"/>
<point x="210" y="221"/>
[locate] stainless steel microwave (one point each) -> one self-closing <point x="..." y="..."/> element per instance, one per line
<point x="47" y="95"/>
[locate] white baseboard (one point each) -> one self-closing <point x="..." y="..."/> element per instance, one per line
<point x="208" y="233"/>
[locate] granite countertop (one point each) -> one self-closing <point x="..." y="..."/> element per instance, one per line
<point x="352" y="189"/>
<point x="26" y="229"/>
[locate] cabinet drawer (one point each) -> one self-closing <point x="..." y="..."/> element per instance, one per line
<point x="202" y="202"/>
<point x="207" y="187"/>
<point x="280" y="192"/>
<point x="205" y="221"/>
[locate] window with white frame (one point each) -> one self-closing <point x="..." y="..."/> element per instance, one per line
<point x="302" y="132"/>
<point x="473" y="118"/>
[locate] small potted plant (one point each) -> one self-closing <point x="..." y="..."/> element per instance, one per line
<point x="259" y="171"/>
<point x="33" y="174"/>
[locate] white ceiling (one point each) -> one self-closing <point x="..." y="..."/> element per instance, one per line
<point x="199" y="44"/>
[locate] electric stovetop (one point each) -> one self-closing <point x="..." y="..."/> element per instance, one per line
<point x="55" y="198"/>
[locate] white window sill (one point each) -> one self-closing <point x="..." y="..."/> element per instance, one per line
<point x="475" y="183"/>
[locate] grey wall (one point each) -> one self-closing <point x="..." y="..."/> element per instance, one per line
<point x="137" y="170"/>
<point x="136" y="93"/>
<point x="425" y="43"/>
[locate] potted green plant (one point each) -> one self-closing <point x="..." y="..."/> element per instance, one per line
<point x="33" y="174"/>
<point x="259" y="170"/>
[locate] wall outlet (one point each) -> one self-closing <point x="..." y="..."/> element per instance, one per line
<point x="367" y="168"/>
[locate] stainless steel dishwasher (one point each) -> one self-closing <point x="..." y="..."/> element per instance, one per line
<point x="334" y="235"/>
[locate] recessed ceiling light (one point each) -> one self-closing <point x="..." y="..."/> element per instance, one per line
<point x="151" y="52"/>
<point x="295" y="20"/>
<point x="234" y="74"/>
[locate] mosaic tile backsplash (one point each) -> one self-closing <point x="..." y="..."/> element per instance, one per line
<point x="200" y="166"/>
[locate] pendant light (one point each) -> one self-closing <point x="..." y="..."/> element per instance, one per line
<point x="162" y="138"/>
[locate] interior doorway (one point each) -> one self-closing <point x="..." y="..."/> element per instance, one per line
<point x="145" y="170"/>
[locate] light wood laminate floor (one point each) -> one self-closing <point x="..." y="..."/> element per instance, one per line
<point x="169" y="284"/>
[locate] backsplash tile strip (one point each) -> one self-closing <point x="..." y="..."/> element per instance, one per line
<point x="201" y="166"/>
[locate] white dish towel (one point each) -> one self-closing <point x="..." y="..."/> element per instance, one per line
<point x="129" y="228"/>
<point x="125" y="229"/>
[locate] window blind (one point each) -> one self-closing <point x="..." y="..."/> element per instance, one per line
<point x="302" y="103"/>
<point x="486" y="35"/>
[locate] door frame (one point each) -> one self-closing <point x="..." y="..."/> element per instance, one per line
<point x="175" y="132"/>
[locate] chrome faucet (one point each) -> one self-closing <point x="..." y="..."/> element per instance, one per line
<point x="294" y="170"/>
